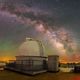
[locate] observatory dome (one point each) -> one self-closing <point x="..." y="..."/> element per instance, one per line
<point x="29" y="48"/>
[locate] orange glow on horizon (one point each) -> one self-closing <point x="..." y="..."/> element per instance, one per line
<point x="6" y="58"/>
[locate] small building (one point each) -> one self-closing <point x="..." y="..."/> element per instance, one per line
<point x="2" y="65"/>
<point x="34" y="64"/>
<point x="29" y="64"/>
<point x="53" y="63"/>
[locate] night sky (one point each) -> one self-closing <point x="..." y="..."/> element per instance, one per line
<point x="54" y="22"/>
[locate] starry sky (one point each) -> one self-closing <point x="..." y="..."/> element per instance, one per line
<point x="43" y="20"/>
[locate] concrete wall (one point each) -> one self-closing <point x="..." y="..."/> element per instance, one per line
<point x="53" y="63"/>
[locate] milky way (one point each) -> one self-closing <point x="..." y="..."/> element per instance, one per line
<point x="40" y="24"/>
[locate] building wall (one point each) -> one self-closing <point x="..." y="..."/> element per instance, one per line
<point x="33" y="63"/>
<point x="30" y="58"/>
<point x="53" y="63"/>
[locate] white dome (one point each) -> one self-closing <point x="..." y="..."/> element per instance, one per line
<point x="29" y="48"/>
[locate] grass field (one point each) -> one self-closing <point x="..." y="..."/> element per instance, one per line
<point x="9" y="75"/>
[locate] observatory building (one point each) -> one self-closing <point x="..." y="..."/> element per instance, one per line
<point x="31" y="58"/>
<point x="32" y="61"/>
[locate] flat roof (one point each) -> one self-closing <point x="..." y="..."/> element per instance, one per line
<point x="31" y="56"/>
<point x="53" y="56"/>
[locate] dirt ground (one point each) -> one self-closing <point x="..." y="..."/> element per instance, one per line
<point x="9" y="75"/>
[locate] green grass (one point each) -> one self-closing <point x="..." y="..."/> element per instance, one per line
<point x="9" y="75"/>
